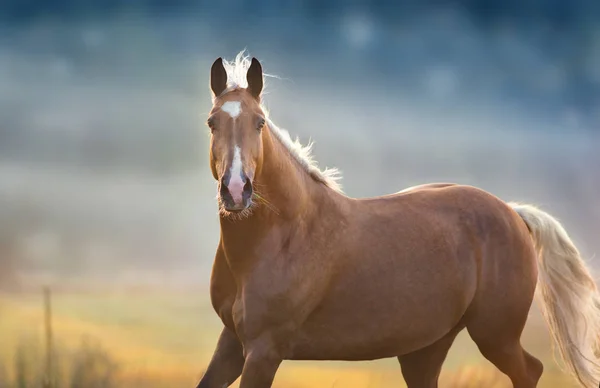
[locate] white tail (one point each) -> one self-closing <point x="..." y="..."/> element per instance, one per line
<point x="570" y="298"/>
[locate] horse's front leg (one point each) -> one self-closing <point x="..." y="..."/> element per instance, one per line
<point x="262" y="362"/>
<point x="226" y="364"/>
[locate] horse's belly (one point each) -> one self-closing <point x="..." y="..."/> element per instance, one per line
<point x="387" y="318"/>
<point x="354" y="342"/>
<point x="360" y="346"/>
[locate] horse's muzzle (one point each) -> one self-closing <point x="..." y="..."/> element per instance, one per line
<point x="235" y="192"/>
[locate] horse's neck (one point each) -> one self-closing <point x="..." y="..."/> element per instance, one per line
<point x="282" y="182"/>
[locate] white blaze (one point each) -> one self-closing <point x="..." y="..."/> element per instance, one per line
<point x="234" y="108"/>
<point x="236" y="165"/>
<point x="236" y="185"/>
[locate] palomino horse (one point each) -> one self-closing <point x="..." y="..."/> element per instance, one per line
<point x="303" y="272"/>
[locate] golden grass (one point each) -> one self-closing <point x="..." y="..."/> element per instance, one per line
<point x="165" y="339"/>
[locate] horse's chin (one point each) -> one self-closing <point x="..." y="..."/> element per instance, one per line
<point x="237" y="209"/>
<point x="236" y="213"/>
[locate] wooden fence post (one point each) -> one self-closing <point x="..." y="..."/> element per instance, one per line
<point x="48" y="373"/>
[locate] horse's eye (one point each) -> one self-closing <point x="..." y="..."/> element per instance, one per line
<point x="211" y="124"/>
<point x="260" y="125"/>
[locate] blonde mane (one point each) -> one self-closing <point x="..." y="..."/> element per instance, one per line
<point x="236" y="78"/>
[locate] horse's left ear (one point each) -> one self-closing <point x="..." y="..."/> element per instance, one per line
<point x="255" y="78"/>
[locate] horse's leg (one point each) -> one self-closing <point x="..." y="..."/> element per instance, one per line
<point x="509" y="356"/>
<point x="262" y="362"/>
<point x="495" y="323"/>
<point x="421" y="368"/>
<point x="226" y="364"/>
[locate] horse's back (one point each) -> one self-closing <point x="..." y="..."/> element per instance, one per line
<point x="484" y="213"/>
<point x="468" y="213"/>
<point x="428" y="186"/>
<point x="445" y="199"/>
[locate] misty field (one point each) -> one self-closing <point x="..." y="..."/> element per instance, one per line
<point x="164" y="339"/>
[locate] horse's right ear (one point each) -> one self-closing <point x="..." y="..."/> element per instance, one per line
<point x="218" y="77"/>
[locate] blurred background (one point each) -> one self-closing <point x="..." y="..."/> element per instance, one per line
<point x="106" y="195"/>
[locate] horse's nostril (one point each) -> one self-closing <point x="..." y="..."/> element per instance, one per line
<point x="247" y="192"/>
<point x="223" y="189"/>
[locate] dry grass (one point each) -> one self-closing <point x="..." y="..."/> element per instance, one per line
<point x="475" y="377"/>
<point x="163" y="340"/>
<point x="88" y="366"/>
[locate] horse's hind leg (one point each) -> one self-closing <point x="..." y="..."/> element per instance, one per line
<point x="421" y="368"/>
<point x="496" y="328"/>
<point x="509" y="356"/>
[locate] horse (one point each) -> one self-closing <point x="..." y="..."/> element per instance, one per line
<point x="304" y="272"/>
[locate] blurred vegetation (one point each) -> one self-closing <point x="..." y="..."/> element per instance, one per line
<point x="88" y="366"/>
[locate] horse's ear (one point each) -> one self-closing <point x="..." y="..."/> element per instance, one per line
<point x="218" y="77"/>
<point x="255" y="78"/>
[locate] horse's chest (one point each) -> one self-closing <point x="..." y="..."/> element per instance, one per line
<point x="243" y="311"/>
